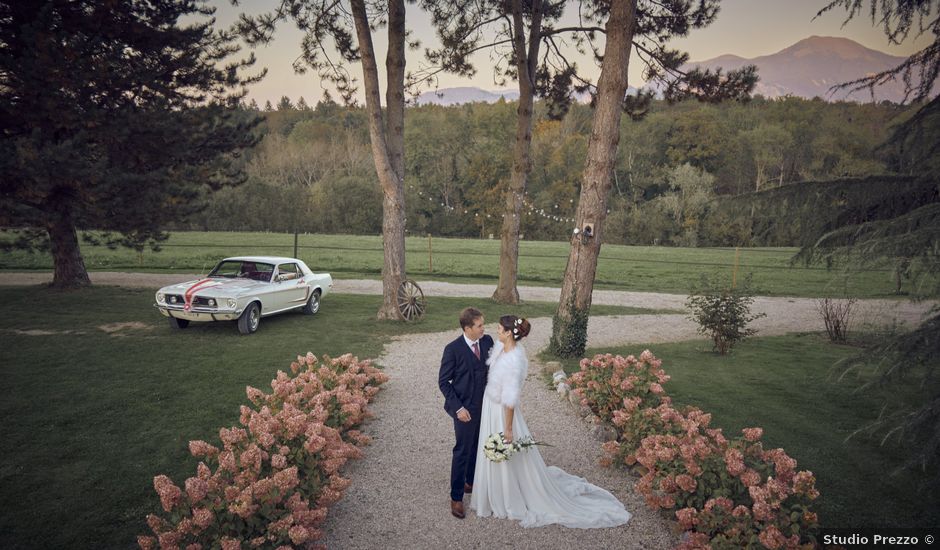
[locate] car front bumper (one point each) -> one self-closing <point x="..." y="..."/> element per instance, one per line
<point x="198" y="314"/>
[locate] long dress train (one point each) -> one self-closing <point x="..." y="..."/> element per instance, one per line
<point x="523" y="488"/>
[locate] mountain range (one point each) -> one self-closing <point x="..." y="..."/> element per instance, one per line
<point x="813" y="65"/>
<point x="807" y="69"/>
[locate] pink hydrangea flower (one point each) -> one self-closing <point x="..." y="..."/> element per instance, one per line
<point x="199" y="448"/>
<point x="753" y="434"/>
<point x="686" y="483"/>
<point x="750" y="478"/>
<point x="772" y="538"/>
<point x="741" y="512"/>
<point x="202" y="517"/>
<point x="298" y="534"/>
<point x="688" y="518"/>
<point x="196" y="489"/>
<point x="170" y="494"/>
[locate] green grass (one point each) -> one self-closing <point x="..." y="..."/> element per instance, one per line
<point x="639" y="268"/>
<point x="90" y="418"/>
<point x="782" y="385"/>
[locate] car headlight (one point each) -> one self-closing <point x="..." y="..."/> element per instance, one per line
<point x="210" y="302"/>
<point x="231" y="302"/>
<point x="173" y="299"/>
<point x="160" y="298"/>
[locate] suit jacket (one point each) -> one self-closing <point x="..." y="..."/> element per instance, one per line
<point x="462" y="377"/>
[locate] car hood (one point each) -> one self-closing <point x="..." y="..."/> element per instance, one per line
<point x="217" y="287"/>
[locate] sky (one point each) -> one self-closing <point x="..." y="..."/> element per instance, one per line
<point x="747" y="28"/>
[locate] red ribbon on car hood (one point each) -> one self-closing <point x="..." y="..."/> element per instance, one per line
<point x="191" y="292"/>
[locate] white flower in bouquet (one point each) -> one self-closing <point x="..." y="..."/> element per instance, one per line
<point x="497" y="450"/>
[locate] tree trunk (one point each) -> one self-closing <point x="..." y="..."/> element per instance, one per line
<point x="569" y="329"/>
<point x="506" y="291"/>
<point x="70" y="269"/>
<point x="387" y="148"/>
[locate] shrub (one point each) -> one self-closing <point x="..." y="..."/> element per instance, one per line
<point x="836" y="315"/>
<point x="609" y="383"/>
<point x="273" y="479"/>
<point x="728" y="493"/>
<point x="722" y="313"/>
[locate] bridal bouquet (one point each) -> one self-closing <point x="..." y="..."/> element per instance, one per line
<point x="497" y="450"/>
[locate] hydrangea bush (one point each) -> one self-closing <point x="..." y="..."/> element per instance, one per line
<point x="726" y="492"/>
<point x="274" y="477"/>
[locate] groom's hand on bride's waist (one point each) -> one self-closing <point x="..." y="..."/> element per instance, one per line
<point x="463" y="415"/>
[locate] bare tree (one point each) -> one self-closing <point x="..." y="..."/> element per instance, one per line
<point x="338" y="22"/>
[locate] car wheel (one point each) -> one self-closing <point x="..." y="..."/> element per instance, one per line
<point x="313" y="304"/>
<point x="178" y="323"/>
<point x="250" y="319"/>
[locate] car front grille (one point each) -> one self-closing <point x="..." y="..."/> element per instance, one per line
<point x="202" y="301"/>
<point x="174" y="299"/>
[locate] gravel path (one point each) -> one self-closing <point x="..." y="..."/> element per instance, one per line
<point x="399" y="497"/>
<point x="784" y="314"/>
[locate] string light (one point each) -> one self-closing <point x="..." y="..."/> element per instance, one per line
<point x="527" y="204"/>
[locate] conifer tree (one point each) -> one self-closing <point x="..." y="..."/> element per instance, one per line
<point x="900" y="224"/>
<point x="116" y="116"/>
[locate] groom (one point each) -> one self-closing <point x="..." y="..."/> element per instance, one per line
<point x="462" y="379"/>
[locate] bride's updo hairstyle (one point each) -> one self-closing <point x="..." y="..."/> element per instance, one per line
<point x="518" y="326"/>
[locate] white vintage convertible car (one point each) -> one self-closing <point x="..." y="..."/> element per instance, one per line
<point x="245" y="288"/>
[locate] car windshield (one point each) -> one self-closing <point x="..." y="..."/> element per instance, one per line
<point x="243" y="269"/>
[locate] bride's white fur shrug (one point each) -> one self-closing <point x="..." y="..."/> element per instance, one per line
<point x="507" y="372"/>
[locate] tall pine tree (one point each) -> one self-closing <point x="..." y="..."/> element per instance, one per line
<point x="116" y="116"/>
<point x="890" y="223"/>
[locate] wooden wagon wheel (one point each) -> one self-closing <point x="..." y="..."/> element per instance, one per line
<point x="411" y="302"/>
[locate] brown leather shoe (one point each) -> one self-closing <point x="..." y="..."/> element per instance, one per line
<point x="456" y="509"/>
<point x="467" y="488"/>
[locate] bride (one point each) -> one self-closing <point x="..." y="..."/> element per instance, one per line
<point x="523" y="488"/>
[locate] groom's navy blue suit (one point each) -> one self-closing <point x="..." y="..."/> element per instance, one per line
<point x="462" y="380"/>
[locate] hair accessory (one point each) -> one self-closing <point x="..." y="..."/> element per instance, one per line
<point x="518" y="321"/>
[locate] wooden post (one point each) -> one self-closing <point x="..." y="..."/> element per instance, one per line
<point x="734" y="270"/>
<point x="295" y="243"/>
<point x="430" y="264"/>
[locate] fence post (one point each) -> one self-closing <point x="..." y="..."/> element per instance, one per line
<point x="295" y="243"/>
<point x="734" y="270"/>
<point x="430" y="264"/>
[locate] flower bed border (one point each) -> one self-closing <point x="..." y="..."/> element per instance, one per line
<point x="725" y="492"/>
<point x="275" y="476"/>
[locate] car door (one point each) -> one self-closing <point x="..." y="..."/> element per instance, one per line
<point x="290" y="287"/>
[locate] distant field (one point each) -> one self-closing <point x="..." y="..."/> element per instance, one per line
<point x="639" y="268"/>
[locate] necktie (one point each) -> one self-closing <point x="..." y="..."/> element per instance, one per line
<point x="476" y="349"/>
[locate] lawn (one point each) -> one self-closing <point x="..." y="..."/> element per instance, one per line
<point x="782" y="385"/>
<point x="638" y="268"/>
<point x="90" y="416"/>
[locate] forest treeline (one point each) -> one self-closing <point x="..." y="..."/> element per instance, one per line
<point x="677" y="168"/>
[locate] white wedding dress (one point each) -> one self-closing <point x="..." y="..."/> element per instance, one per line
<point x="523" y="488"/>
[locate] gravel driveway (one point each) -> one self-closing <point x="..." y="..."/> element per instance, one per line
<point x="399" y="497"/>
<point x="784" y="314"/>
